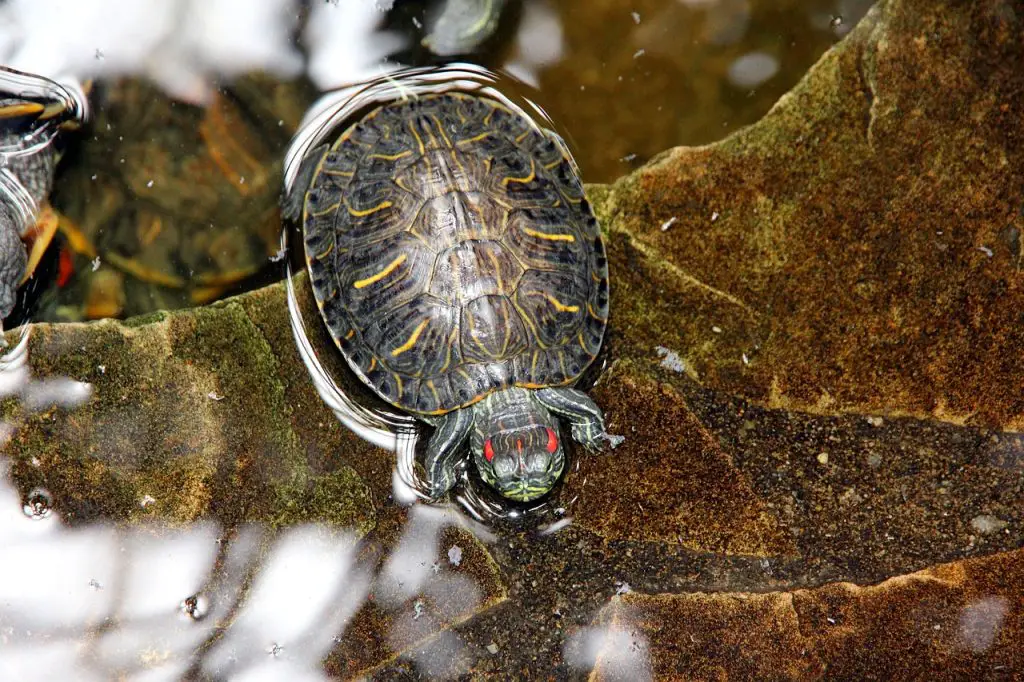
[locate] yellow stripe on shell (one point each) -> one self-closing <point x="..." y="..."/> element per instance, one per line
<point x="440" y="129"/>
<point x="325" y="211"/>
<point x="326" y="252"/>
<point x="549" y="236"/>
<point x="524" y="179"/>
<point x="471" y="140"/>
<point x="411" y="340"/>
<point x="370" y="211"/>
<point x="559" y="306"/>
<point x="391" y="157"/>
<point x="388" y="269"/>
<point x="21" y="109"/>
<point x="419" y="140"/>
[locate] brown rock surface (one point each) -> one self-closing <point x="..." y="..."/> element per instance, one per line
<point x="869" y="225"/>
<point x="953" y="621"/>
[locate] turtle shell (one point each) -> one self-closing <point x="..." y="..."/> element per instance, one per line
<point x="452" y="253"/>
<point x="177" y="195"/>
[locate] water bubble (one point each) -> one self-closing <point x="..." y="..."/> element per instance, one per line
<point x="38" y="504"/>
<point x="195" y="607"/>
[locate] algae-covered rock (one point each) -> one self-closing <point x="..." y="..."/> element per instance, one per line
<point x="815" y="357"/>
<point x="190" y="416"/>
<point x="863" y="239"/>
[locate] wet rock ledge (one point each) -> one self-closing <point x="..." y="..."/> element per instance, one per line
<point x="816" y="356"/>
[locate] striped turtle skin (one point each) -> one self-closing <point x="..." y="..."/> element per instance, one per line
<point x="462" y="274"/>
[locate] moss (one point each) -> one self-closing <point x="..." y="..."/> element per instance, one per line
<point x="339" y="499"/>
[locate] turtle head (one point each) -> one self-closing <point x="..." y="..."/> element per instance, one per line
<point x="516" y="445"/>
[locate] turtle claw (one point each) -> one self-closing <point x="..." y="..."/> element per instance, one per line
<point x="613" y="440"/>
<point x="592" y="436"/>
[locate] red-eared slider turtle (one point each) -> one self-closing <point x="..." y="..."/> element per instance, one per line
<point x="179" y="201"/>
<point x="462" y="273"/>
<point x="33" y="110"/>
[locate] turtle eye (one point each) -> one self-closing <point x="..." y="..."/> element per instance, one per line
<point x="552" y="440"/>
<point x="488" y="450"/>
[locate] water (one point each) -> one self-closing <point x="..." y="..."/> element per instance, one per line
<point x="216" y="587"/>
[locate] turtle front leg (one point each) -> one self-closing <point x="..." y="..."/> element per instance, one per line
<point x="582" y="413"/>
<point x="450" y="431"/>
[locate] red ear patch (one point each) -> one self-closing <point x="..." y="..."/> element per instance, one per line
<point x="552" y="441"/>
<point x="488" y="450"/>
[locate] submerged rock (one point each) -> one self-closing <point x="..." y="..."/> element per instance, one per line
<point x="840" y="291"/>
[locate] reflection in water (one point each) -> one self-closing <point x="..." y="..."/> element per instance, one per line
<point x="619" y="651"/>
<point x="627" y="78"/>
<point x="16" y="380"/>
<point x="99" y="602"/>
<point x="345" y="45"/>
<point x="752" y="69"/>
<point x="980" y="622"/>
<point x="183" y="45"/>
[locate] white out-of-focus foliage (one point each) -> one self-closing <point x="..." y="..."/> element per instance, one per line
<point x="980" y="622"/>
<point x="37" y="394"/>
<point x="539" y="42"/>
<point x="753" y="69"/>
<point x="344" y="44"/>
<point x="619" y="651"/>
<point x="182" y="45"/>
<point x="102" y="602"/>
